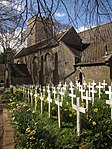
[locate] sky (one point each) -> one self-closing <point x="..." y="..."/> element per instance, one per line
<point x="66" y="12"/>
<point x="81" y="17"/>
<point x="69" y="13"/>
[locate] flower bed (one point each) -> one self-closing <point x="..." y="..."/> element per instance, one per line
<point x="35" y="130"/>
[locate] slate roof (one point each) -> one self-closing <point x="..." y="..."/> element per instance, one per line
<point x="20" y="74"/>
<point x="44" y="44"/>
<point x="53" y="42"/>
<point x="100" y="40"/>
<point x="98" y="52"/>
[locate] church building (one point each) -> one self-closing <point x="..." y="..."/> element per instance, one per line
<point x="66" y="56"/>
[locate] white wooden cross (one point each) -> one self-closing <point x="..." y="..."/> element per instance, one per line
<point x="35" y="95"/>
<point x="93" y="91"/>
<point x="84" y="84"/>
<point x="62" y="93"/>
<point x="79" y="110"/>
<point x="28" y="95"/>
<point x="89" y="88"/>
<point x="49" y="99"/>
<point x="59" y="103"/>
<point x="93" y="83"/>
<point x="110" y="98"/>
<point x="104" y="84"/>
<point x="81" y="90"/>
<point x="65" y="86"/>
<point x="71" y="84"/>
<point x="77" y="84"/>
<point x="23" y="92"/>
<point x="54" y="91"/>
<point x="99" y="88"/>
<point x="59" y="86"/>
<point x="31" y="95"/>
<point x="42" y="100"/>
<point x="87" y="98"/>
<point x="72" y="95"/>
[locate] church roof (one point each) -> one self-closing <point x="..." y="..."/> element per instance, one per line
<point x="46" y="43"/>
<point x="20" y="74"/>
<point x="100" y="40"/>
<point x="68" y="37"/>
<point x="96" y="56"/>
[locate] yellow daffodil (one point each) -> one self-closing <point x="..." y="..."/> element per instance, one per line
<point x="93" y="123"/>
<point x="70" y="115"/>
<point x="32" y="138"/>
<point x="67" y="103"/>
<point x="53" y="108"/>
<point x="95" y="110"/>
<point x="28" y="130"/>
<point x="65" y="109"/>
<point x="33" y="111"/>
<point x="33" y="132"/>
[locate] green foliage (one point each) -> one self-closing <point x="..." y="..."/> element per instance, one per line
<point x="33" y="130"/>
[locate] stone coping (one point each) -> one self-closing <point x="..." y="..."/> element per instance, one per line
<point x="8" y="136"/>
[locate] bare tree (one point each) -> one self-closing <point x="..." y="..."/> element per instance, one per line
<point x="15" y="13"/>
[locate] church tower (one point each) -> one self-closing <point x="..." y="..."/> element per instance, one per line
<point x="39" y="29"/>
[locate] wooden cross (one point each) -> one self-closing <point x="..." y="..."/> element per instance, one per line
<point x="89" y="88"/>
<point x="35" y="95"/>
<point x="93" y="83"/>
<point x="72" y="95"/>
<point x="99" y="87"/>
<point x="54" y="91"/>
<point x="79" y="110"/>
<point x="93" y="91"/>
<point x="104" y="84"/>
<point x="110" y="98"/>
<point x="49" y="99"/>
<point x="42" y="99"/>
<point x="84" y="84"/>
<point x="65" y="86"/>
<point x="87" y="98"/>
<point x="31" y="95"/>
<point x="62" y="94"/>
<point x="59" y="87"/>
<point x="81" y="90"/>
<point x="57" y="102"/>
<point x="71" y="84"/>
<point x="77" y="84"/>
<point x="28" y="95"/>
<point x="23" y="92"/>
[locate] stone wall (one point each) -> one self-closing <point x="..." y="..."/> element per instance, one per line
<point x="39" y="29"/>
<point x="51" y="65"/>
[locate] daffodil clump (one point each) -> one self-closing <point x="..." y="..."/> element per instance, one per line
<point x="34" y="130"/>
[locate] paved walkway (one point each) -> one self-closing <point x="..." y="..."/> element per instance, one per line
<point x="1" y="128"/>
<point x="6" y="131"/>
<point x="8" y="139"/>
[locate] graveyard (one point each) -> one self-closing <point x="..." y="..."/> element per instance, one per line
<point x="70" y="115"/>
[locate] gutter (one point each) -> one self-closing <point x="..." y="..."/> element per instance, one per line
<point x="90" y="64"/>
